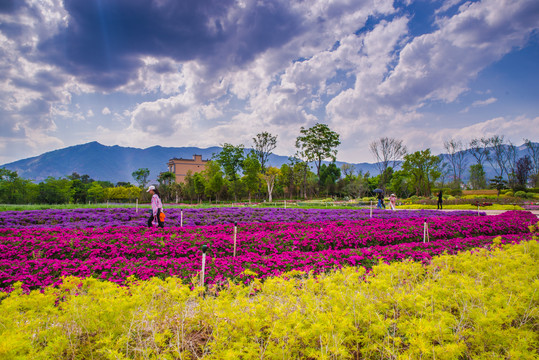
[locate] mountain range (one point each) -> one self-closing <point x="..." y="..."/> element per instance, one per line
<point x="117" y="163"/>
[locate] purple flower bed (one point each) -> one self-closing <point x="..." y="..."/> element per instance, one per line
<point x="83" y="218"/>
<point x="40" y="256"/>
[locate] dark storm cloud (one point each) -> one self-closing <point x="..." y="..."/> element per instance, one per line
<point x="104" y="39"/>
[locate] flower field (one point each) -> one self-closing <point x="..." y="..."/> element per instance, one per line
<point x="83" y="218"/>
<point x="269" y="242"/>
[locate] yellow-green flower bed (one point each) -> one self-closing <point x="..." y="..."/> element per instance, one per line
<point x="462" y="207"/>
<point x="478" y="304"/>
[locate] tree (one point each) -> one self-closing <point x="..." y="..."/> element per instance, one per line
<point x="78" y="191"/>
<point x="400" y="184"/>
<point x="16" y="190"/>
<point x="141" y="177"/>
<point x="251" y="169"/>
<point x="496" y="159"/>
<point x="533" y="151"/>
<point x="479" y="149"/>
<point x="456" y="155"/>
<point x="264" y="144"/>
<point x="329" y="174"/>
<point x="55" y="191"/>
<point x="199" y="184"/>
<point x="510" y="163"/>
<point x="166" y="178"/>
<point x="523" y="168"/>
<point x="318" y="143"/>
<point x="347" y="170"/>
<point x="214" y="179"/>
<point x="423" y="169"/>
<point x="498" y="183"/>
<point x="478" y="178"/>
<point x="269" y="177"/>
<point x="387" y="151"/>
<point x="96" y="192"/>
<point x="231" y="159"/>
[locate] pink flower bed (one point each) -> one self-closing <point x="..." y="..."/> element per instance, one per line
<point x="39" y="257"/>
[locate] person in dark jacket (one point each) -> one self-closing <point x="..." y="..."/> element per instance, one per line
<point x="440" y="200"/>
<point x="381" y="204"/>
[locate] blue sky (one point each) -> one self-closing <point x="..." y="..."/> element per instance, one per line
<point x="203" y="73"/>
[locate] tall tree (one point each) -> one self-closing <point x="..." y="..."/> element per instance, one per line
<point x="166" y="178"/>
<point x="251" y="170"/>
<point x="318" y="143"/>
<point x="510" y="158"/>
<point x="497" y="158"/>
<point x="523" y="168"/>
<point x="479" y="149"/>
<point x="231" y="159"/>
<point x="387" y="151"/>
<point x="533" y="151"/>
<point x="141" y="177"/>
<point x="423" y="169"/>
<point x="264" y="144"/>
<point x="478" y="178"/>
<point x="214" y="179"/>
<point x="269" y="177"/>
<point x="329" y="174"/>
<point x="456" y="155"/>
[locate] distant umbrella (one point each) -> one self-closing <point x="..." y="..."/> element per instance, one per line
<point x="378" y="190"/>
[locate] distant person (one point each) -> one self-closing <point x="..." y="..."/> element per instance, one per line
<point x="381" y="204"/>
<point x="393" y="201"/>
<point x="157" y="208"/>
<point x="440" y="200"/>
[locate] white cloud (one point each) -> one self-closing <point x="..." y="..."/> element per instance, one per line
<point x="479" y="103"/>
<point x="106" y="111"/>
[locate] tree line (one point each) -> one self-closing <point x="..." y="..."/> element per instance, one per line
<point x="236" y="175"/>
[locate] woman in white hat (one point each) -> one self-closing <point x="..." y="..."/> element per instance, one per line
<point x="392" y="201"/>
<point x="157" y="208"/>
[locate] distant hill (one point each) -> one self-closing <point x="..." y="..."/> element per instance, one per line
<point x="116" y="163"/>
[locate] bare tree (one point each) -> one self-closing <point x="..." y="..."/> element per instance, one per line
<point x="497" y="160"/>
<point x="533" y="151"/>
<point x="264" y="144"/>
<point x="387" y="151"/>
<point x="479" y="149"/>
<point x="510" y="163"/>
<point x="456" y="154"/>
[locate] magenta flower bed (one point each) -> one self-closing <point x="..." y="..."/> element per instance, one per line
<point x="83" y="218"/>
<point x="39" y="257"/>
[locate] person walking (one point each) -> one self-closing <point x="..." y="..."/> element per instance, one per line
<point x="393" y="201"/>
<point x="157" y="208"/>
<point x="440" y="200"/>
<point x="381" y="204"/>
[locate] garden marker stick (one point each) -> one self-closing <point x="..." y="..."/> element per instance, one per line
<point x="424" y="230"/>
<point x="137" y="205"/>
<point x="204" y="249"/>
<point x="181" y="218"/>
<point x="235" y="233"/>
<point x="371" y="209"/>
